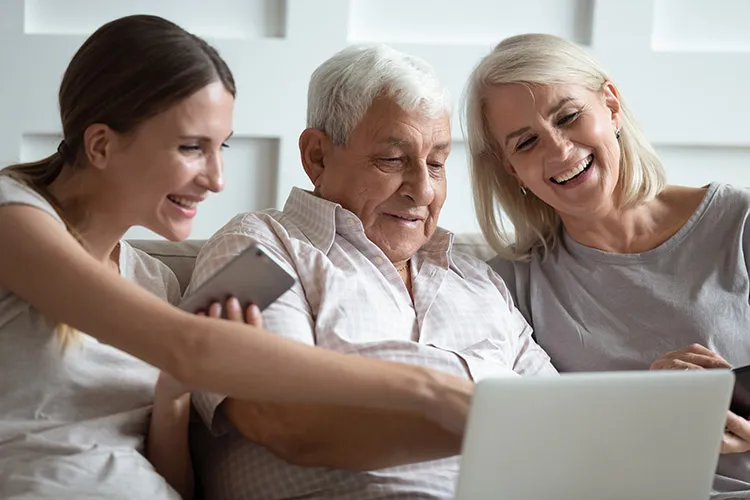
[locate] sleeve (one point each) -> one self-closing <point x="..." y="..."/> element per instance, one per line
<point x="515" y="275"/>
<point x="13" y="192"/>
<point x="289" y="316"/>
<point x="530" y="358"/>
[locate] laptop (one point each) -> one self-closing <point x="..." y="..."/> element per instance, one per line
<point x="611" y="435"/>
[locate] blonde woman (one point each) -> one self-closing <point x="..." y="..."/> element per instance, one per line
<point x="614" y="268"/>
<point x="146" y="109"/>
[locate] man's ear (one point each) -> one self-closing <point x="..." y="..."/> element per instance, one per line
<point x="97" y="145"/>
<point x="313" y="145"/>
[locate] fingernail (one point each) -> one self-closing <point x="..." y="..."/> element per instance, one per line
<point x="234" y="303"/>
<point x="255" y="310"/>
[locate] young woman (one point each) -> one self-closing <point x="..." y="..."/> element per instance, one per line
<point x="146" y="109"/>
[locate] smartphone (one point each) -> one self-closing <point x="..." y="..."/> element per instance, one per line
<point x="741" y="394"/>
<point x="252" y="277"/>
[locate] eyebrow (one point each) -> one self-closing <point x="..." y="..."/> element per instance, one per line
<point x="204" y="138"/>
<point x="402" y="143"/>
<point x="552" y="111"/>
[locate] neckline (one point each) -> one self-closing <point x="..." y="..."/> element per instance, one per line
<point x="576" y="248"/>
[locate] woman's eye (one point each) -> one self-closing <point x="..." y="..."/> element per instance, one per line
<point x="568" y="118"/>
<point x="189" y="148"/>
<point x="525" y="144"/>
<point x="224" y="145"/>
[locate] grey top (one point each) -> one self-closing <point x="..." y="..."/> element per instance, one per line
<point x="73" y="423"/>
<point x="593" y="310"/>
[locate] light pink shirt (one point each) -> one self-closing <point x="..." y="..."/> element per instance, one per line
<point x="350" y="298"/>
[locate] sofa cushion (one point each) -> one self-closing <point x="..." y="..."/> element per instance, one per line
<point x="180" y="257"/>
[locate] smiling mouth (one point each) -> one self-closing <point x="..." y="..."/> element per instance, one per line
<point x="574" y="172"/>
<point x="183" y="202"/>
<point x="406" y="218"/>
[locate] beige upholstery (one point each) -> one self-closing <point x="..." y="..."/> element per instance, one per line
<point x="180" y="257"/>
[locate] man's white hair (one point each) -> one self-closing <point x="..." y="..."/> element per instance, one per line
<point x="343" y="88"/>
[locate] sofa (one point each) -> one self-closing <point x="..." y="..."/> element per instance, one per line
<point x="180" y="257"/>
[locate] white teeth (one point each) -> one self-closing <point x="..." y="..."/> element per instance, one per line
<point x="183" y="202"/>
<point x="566" y="176"/>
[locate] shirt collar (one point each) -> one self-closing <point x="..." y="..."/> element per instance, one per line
<point x="319" y="220"/>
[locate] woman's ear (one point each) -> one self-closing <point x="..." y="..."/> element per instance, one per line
<point x="612" y="101"/>
<point x="97" y="145"/>
<point x="313" y="144"/>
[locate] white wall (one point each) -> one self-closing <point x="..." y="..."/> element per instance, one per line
<point x="682" y="64"/>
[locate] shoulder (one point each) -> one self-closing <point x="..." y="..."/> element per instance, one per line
<point x="13" y="192"/>
<point x="729" y="195"/>
<point x="150" y="273"/>
<point x="263" y="225"/>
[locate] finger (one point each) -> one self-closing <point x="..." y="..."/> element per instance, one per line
<point x="696" y="348"/>
<point x="201" y="313"/>
<point x="674" y="364"/>
<point x="738" y="426"/>
<point x="704" y="361"/>
<point x="234" y="310"/>
<point x="733" y="444"/>
<point x="214" y="310"/>
<point x="253" y="316"/>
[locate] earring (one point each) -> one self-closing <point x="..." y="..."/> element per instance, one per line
<point x="523" y="190"/>
<point x="617" y="133"/>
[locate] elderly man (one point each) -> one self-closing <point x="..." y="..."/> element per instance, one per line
<point x="375" y="277"/>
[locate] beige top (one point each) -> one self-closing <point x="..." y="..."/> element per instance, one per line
<point x="72" y="424"/>
<point x="350" y="298"/>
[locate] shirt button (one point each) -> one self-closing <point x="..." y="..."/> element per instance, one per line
<point x="378" y="260"/>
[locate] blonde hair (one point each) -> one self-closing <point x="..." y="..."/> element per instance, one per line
<point x="538" y="59"/>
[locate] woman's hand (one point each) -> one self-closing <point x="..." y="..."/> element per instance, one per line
<point x="736" y="435"/>
<point x="251" y="314"/>
<point x="697" y="357"/>
<point x="692" y="357"/>
<point x="451" y="402"/>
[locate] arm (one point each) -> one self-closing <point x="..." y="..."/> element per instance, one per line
<point x="167" y="447"/>
<point x="236" y="359"/>
<point x="313" y="435"/>
<point x="341" y="437"/>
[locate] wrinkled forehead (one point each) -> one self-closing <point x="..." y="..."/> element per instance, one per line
<point x="388" y="124"/>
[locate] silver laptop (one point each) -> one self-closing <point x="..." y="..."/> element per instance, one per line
<point x="615" y="435"/>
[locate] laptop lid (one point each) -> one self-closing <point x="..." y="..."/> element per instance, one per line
<point x="614" y="435"/>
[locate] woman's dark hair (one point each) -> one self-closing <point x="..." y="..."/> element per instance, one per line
<point x="129" y="70"/>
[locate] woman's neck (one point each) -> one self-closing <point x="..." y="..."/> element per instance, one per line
<point x="89" y="213"/>
<point x="637" y="229"/>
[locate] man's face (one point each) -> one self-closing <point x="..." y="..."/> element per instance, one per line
<point x="391" y="174"/>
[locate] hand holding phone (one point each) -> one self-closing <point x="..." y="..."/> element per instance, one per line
<point x="252" y="277"/>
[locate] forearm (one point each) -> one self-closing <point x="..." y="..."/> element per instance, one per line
<point x="204" y="353"/>
<point x="168" y="448"/>
<point x="342" y="437"/>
